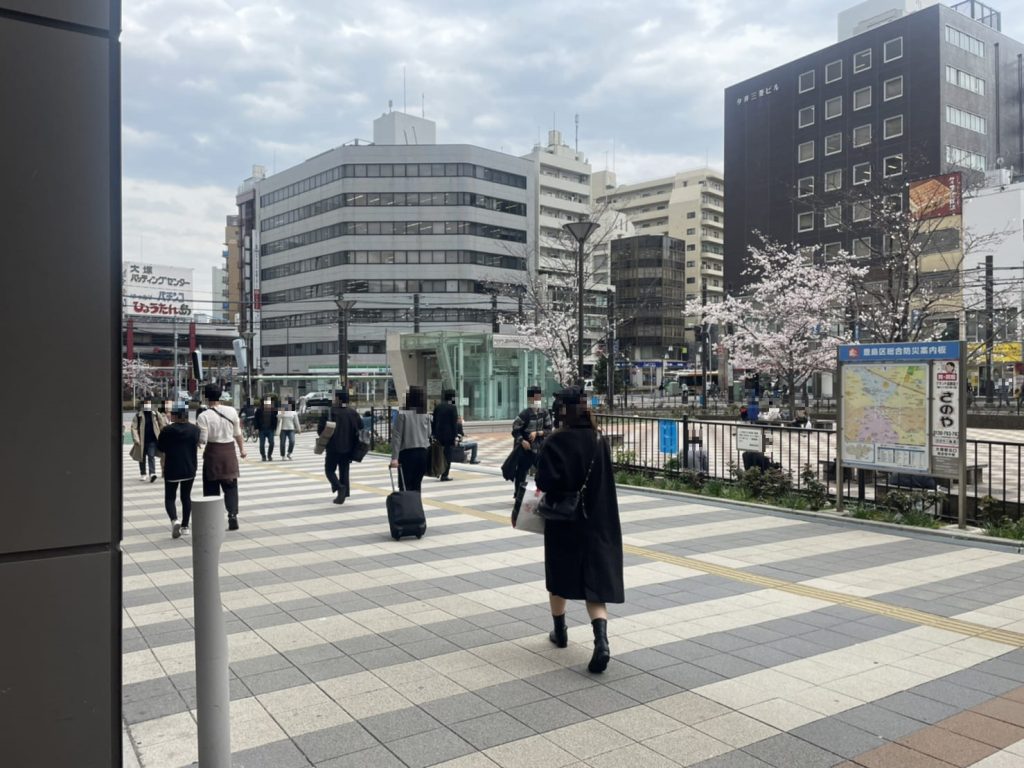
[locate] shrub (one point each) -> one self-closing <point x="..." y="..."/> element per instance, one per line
<point x="815" y="491"/>
<point x="625" y="458"/>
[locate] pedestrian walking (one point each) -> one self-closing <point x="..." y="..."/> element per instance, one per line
<point x="287" y="426"/>
<point x="445" y="428"/>
<point x="529" y="431"/>
<point x="179" y="442"/>
<point x="220" y="431"/>
<point x="582" y="556"/>
<point x="265" y="419"/>
<point x="146" y="426"/>
<point x="338" y="453"/>
<point x="410" y="438"/>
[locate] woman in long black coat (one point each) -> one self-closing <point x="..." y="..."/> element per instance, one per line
<point x="582" y="559"/>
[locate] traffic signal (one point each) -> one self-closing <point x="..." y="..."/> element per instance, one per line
<point x="240" y="356"/>
<point x="197" y="365"/>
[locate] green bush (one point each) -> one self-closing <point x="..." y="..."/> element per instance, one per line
<point x="625" y="458"/>
<point x="714" y="488"/>
<point x="672" y="465"/>
<point x="1006" y="528"/>
<point x="815" y="491"/>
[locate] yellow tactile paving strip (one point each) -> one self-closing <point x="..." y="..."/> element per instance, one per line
<point x="910" y="615"/>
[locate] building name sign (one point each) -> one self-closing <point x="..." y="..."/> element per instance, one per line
<point x="155" y="289"/>
<point x="759" y="93"/>
<point x="905" y="351"/>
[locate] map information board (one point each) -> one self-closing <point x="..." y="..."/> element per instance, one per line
<point x="885" y="410"/>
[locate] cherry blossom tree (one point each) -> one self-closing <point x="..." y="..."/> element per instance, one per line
<point x="791" y="317"/>
<point x="137" y="376"/>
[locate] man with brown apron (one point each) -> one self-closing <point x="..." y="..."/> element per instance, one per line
<point x="220" y="431"/>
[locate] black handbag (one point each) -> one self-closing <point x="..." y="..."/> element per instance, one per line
<point x="569" y="508"/>
<point x="362" y="446"/>
<point x="511" y="464"/>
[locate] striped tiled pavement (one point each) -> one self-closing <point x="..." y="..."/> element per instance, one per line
<point x="748" y="638"/>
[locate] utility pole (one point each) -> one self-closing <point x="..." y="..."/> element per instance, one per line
<point x="344" y="306"/>
<point x="174" y="327"/>
<point x="415" y="313"/>
<point x="495" y="326"/>
<point x="989" y="328"/>
<point x="611" y="351"/>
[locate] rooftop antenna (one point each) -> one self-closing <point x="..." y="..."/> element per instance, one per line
<point x="577" y="119"/>
<point x="405" y="102"/>
<point x="423" y="104"/>
<point x="613" y="155"/>
<point x="389" y="106"/>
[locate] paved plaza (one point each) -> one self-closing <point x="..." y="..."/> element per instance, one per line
<point x="749" y="639"/>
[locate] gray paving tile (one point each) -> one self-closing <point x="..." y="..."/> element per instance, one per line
<point x="382" y="657"/>
<point x="689" y="650"/>
<point x="547" y="714"/>
<point x="133" y="692"/>
<point x="917" y="707"/>
<point x="951" y="693"/>
<point x="430" y="748"/>
<point x="433" y="646"/>
<point x="687" y="675"/>
<point x="562" y="681"/>
<point x="313" y="653"/>
<point x="362" y="644"/>
<point x="332" y="742"/>
<point x="981" y="681"/>
<point x="277" y="680"/>
<point x="328" y="668"/>
<point x="786" y="751"/>
<point x="839" y="737"/>
<point x="153" y="707"/>
<point x="279" y="754"/>
<point x="736" y="759"/>
<point x="261" y="664"/>
<point x="647" y="658"/>
<point x="454" y="709"/>
<point x="727" y="665"/>
<point x="599" y="700"/>
<point x="644" y="687"/>
<point x="375" y="757"/>
<point x="492" y="729"/>
<point x="511" y="694"/>
<point x="880" y="721"/>
<point x="398" y="724"/>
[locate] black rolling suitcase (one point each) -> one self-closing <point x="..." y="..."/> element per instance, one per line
<point x="405" y="512"/>
<point x="458" y="455"/>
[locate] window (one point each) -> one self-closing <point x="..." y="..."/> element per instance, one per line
<point x="862" y="248"/>
<point x="861" y="211"/>
<point x="831" y="251"/>
<point x="833" y="107"/>
<point x="894" y="202"/>
<point x="893" y="49"/>
<point x="862" y="173"/>
<point x="691" y="231"/>
<point x="806" y="117"/>
<point x="833" y="180"/>
<point x="691" y="214"/>
<point x="965" y="158"/>
<point x="834" y="71"/>
<point x="968" y="120"/>
<point x="862" y="98"/>
<point x="833" y="143"/>
<point x="862" y="135"/>
<point x="691" y="247"/>
<point x="892" y="166"/>
<point x="805" y="152"/>
<point x="805" y="221"/>
<point x="833" y="216"/>
<point x="805" y="186"/>
<point x="893" y="88"/>
<point x="965" y="80"/>
<point x="964" y="41"/>
<point x="892" y="127"/>
<point x="806" y="82"/>
<point x="862" y="61"/>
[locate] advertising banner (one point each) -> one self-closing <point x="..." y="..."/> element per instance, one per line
<point x="155" y="290"/>
<point x="937" y="196"/>
<point x="946" y="382"/>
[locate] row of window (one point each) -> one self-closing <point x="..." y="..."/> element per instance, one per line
<point x="417" y="228"/>
<point x="891" y="89"/>
<point x="892" y="128"/>
<point x="861" y="174"/>
<point x="965" y="80"/>
<point x="965" y="158"/>
<point x="344" y="258"/>
<point x="833" y="214"/>
<point x="964" y="41"/>
<point x="371" y="315"/>
<point x="891" y="50"/>
<point x="299" y="349"/>
<point x="392" y="170"/>
<point x="968" y="120"/>
<point x="392" y="199"/>
<point x="331" y="289"/>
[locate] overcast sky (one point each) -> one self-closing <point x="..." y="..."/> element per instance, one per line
<point x="211" y="87"/>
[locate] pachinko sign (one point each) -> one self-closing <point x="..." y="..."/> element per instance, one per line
<point x="155" y="290"/>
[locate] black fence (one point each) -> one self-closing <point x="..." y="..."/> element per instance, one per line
<point x="993" y="468"/>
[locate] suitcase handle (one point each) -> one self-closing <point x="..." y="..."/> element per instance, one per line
<point x="391" y="474"/>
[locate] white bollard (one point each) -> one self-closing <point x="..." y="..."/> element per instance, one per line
<point x="212" y="691"/>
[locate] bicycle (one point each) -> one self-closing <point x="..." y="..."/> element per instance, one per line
<point x="249" y="431"/>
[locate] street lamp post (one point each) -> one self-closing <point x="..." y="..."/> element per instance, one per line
<point x="580" y="230"/>
<point x="344" y="307"/>
<point x="249" y="362"/>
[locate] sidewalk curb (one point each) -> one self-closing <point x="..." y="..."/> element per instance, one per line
<point x="956" y="535"/>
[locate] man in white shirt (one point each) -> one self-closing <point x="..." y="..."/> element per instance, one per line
<point x="219" y="431"/>
<point x="287" y="426"/>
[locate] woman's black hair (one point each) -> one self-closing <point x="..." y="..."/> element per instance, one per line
<point x="212" y="392"/>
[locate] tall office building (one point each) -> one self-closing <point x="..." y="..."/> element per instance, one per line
<point x="921" y="94"/>
<point x="219" y="291"/>
<point x="233" y="269"/>
<point x="689" y="206"/>
<point x="423" y="236"/>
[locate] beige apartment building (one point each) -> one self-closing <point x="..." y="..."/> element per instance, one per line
<point x="689" y="206"/>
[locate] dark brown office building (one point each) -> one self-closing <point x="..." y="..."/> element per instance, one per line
<point x="650" y="287"/>
<point x="936" y="91"/>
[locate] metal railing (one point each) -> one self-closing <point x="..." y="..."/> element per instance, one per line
<point x="993" y="475"/>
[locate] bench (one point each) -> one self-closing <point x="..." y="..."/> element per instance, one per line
<point x="614" y="439"/>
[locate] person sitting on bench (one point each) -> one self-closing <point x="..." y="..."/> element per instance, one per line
<point x="757" y="460"/>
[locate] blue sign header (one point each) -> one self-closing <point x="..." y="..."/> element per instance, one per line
<point x="903" y="350"/>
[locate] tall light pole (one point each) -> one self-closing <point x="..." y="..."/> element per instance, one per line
<point x="580" y="230"/>
<point x="344" y="306"/>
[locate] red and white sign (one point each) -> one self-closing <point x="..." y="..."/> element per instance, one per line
<point x="946" y="384"/>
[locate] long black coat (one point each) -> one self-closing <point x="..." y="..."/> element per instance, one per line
<point x="582" y="559"/>
<point x="445" y="426"/>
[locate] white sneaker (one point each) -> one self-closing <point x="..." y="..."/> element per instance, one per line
<point x="185" y="530"/>
<point x="175" y="530"/>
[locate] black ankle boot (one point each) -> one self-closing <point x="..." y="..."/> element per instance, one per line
<point x="559" y="635"/>
<point x="599" y="661"/>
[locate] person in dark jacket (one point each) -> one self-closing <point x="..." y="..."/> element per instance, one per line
<point x="445" y="428"/>
<point x="146" y="428"/>
<point x="410" y="438"/>
<point x="529" y="430"/>
<point x="338" y="455"/>
<point x="582" y="558"/>
<point x="179" y="442"/>
<point x="265" y="419"/>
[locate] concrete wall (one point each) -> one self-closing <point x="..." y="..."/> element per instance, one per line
<point x="60" y="560"/>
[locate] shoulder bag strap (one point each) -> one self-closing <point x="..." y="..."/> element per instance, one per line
<point x="586" y="479"/>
